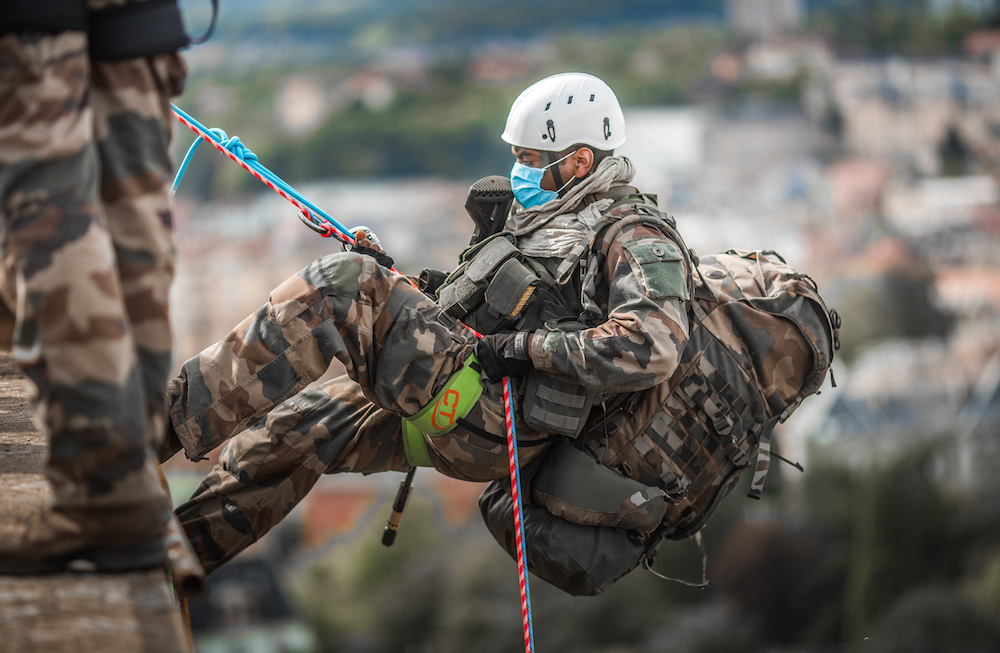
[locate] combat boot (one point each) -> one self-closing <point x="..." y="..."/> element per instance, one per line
<point x="108" y="539"/>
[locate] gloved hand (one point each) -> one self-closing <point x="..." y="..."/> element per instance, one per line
<point x="363" y="245"/>
<point x="504" y="354"/>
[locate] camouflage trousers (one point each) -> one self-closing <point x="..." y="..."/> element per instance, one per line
<point x="88" y="257"/>
<point x="399" y="349"/>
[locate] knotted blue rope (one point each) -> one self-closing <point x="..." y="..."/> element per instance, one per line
<point x="245" y="154"/>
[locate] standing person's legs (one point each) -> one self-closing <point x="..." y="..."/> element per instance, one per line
<point x="72" y="337"/>
<point x="133" y="126"/>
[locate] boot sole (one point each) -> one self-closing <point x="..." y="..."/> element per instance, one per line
<point x="109" y="558"/>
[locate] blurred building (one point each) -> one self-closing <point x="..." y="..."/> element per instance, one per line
<point x="785" y="57"/>
<point x="246" y="611"/>
<point x="924" y="206"/>
<point x="758" y="18"/>
<point x="982" y="44"/>
<point x="910" y="111"/>
<point x="903" y="395"/>
<point x="302" y="103"/>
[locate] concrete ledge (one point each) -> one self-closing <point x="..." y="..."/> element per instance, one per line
<point x="71" y="612"/>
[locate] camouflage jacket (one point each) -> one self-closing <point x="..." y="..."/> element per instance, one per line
<point x="615" y="320"/>
<point x="634" y="310"/>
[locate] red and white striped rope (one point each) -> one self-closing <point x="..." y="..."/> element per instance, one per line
<point x="515" y="484"/>
<point x="243" y="164"/>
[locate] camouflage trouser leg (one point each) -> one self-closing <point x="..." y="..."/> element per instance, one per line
<point x="72" y="335"/>
<point x="267" y="470"/>
<point x="133" y="125"/>
<point x="395" y="342"/>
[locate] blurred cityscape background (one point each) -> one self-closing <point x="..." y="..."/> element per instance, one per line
<point x="858" y="138"/>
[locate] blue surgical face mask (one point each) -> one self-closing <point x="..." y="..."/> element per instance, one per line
<point x="526" y="181"/>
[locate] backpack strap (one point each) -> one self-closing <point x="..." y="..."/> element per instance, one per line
<point x="763" y="459"/>
<point x="566" y="268"/>
<point x="649" y="558"/>
<point x="615" y="193"/>
<point x="607" y="230"/>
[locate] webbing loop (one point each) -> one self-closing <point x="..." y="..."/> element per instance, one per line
<point x="451" y="404"/>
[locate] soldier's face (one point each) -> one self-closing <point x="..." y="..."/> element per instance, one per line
<point x="578" y="165"/>
<point x="534" y="159"/>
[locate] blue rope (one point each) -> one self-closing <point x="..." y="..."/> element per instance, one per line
<point x="244" y="153"/>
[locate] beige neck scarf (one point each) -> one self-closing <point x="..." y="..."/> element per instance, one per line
<point x="547" y="230"/>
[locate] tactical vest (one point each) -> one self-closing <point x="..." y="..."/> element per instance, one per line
<point x="496" y="288"/>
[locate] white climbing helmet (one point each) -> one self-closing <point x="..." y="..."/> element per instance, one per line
<point x="563" y="110"/>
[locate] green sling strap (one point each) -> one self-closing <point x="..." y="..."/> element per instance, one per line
<point x="452" y="403"/>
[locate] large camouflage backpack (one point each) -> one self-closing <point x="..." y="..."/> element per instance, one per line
<point x="761" y="340"/>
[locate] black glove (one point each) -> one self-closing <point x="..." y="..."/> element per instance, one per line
<point x="504" y="354"/>
<point x="380" y="257"/>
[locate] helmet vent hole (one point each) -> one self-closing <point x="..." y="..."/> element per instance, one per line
<point x="591" y="98"/>
<point x="570" y="100"/>
<point x="547" y="105"/>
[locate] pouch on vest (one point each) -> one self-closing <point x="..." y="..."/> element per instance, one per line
<point x="579" y="560"/>
<point x="505" y="297"/>
<point x="574" y="486"/>
<point x="659" y="267"/>
<point x="462" y="295"/>
<point x="555" y="403"/>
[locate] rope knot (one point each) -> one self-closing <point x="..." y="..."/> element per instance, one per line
<point x="239" y="149"/>
<point x="310" y="214"/>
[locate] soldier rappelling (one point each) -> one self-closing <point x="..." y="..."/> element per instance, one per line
<point x="644" y="381"/>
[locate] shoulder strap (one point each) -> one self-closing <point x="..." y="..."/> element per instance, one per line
<point x="566" y="268"/>
<point x="663" y="223"/>
<point x="614" y="193"/>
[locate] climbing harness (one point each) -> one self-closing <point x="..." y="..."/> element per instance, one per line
<point x="445" y="411"/>
<point x="452" y="402"/>
<point x="320" y="221"/>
